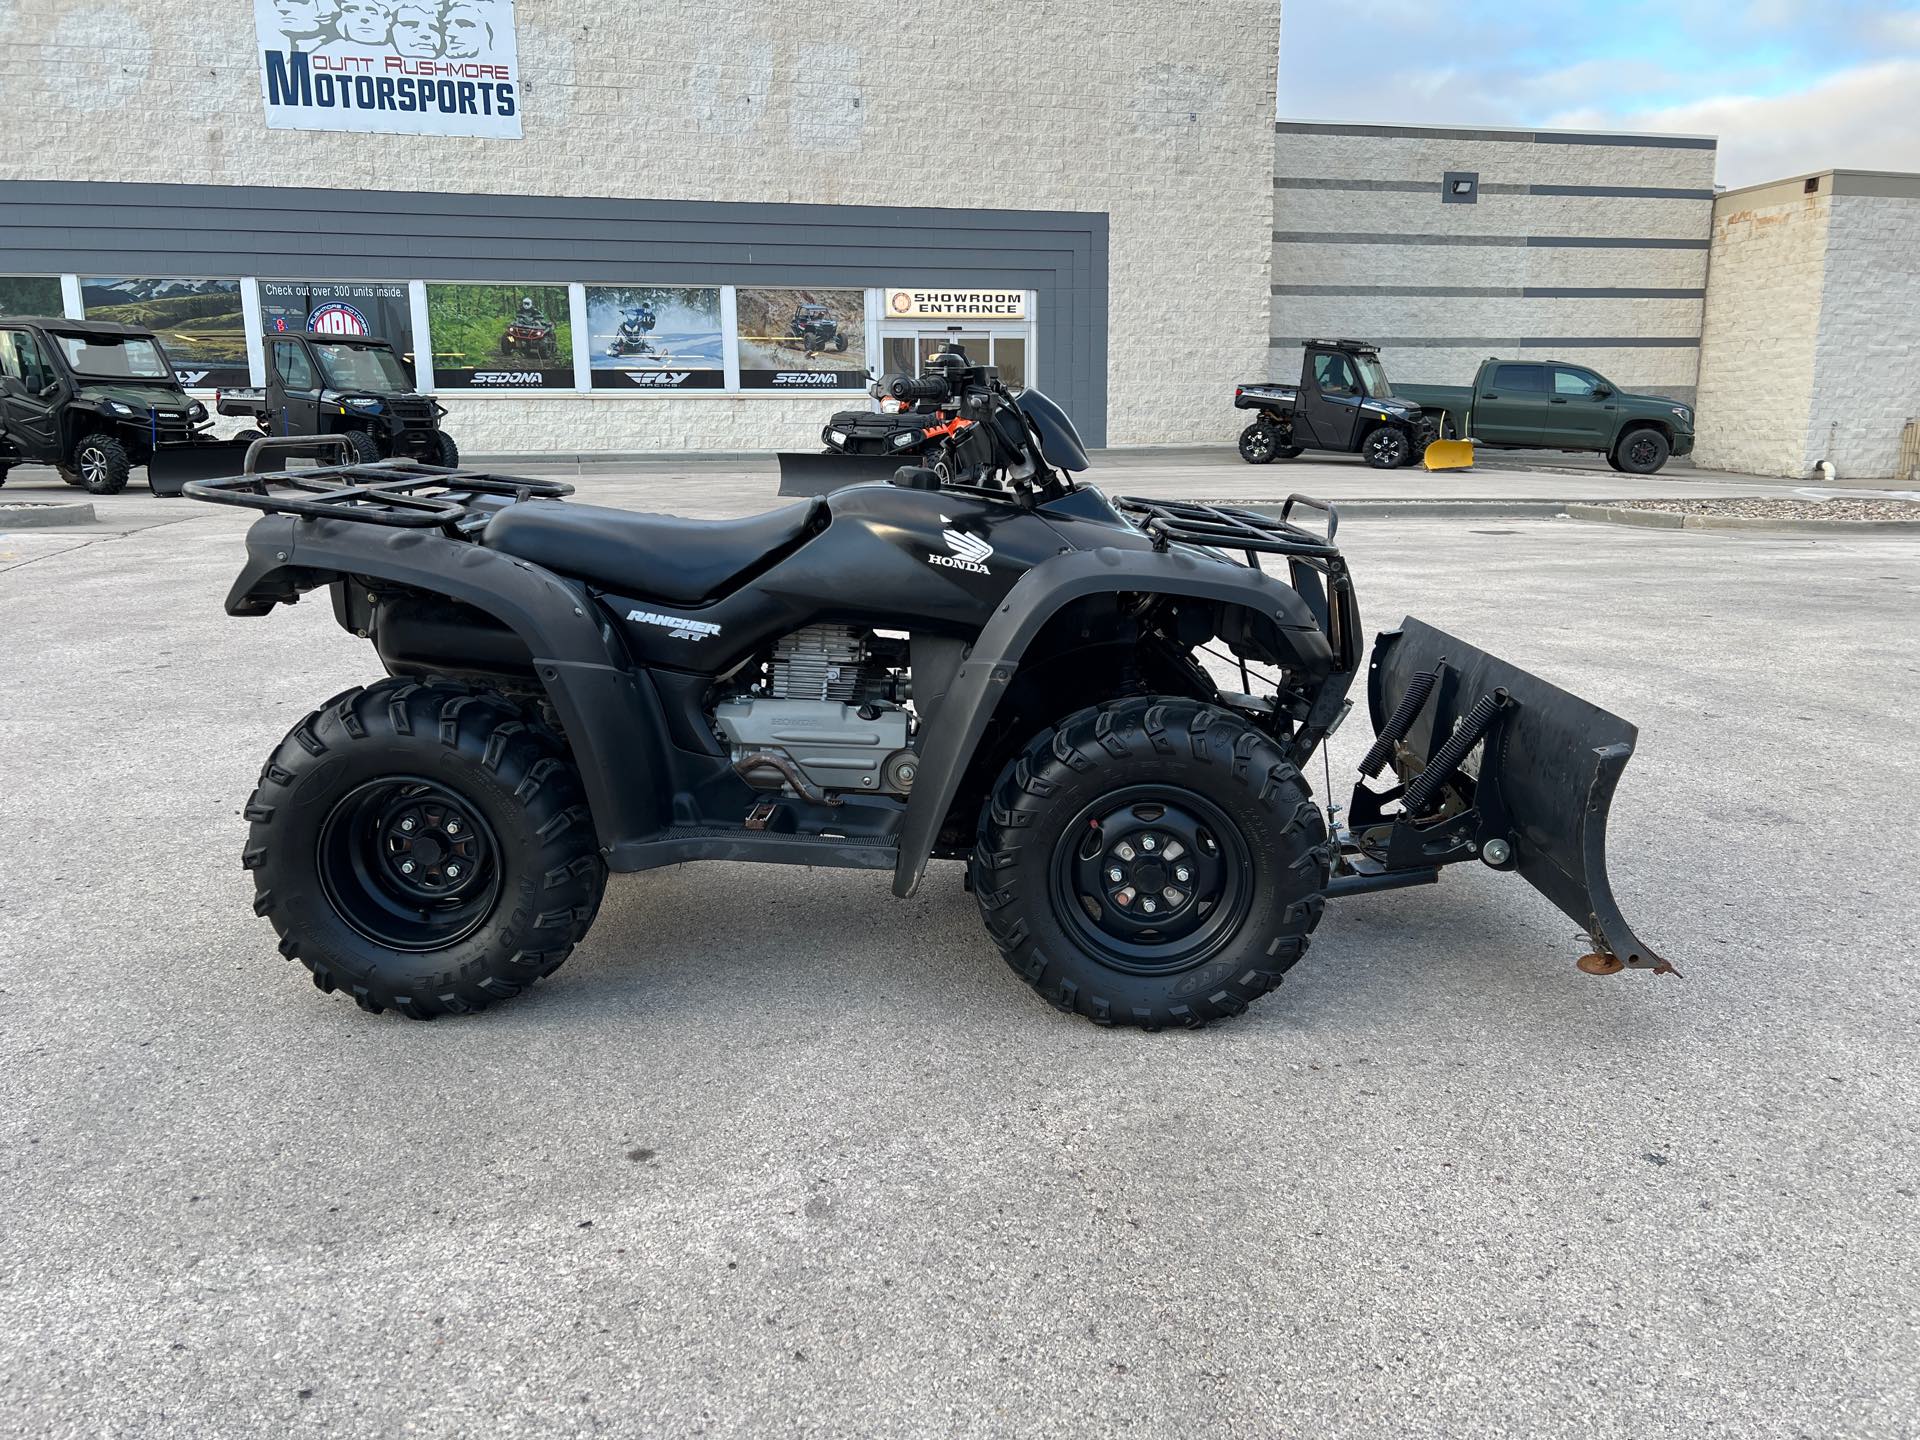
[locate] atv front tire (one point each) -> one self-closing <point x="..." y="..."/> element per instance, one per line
<point x="100" y="466"/>
<point x="425" y="848"/>
<point x="1151" y="862"/>
<point x="445" y="452"/>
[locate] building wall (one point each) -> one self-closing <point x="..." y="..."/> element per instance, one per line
<point x="1100" y="108"/>
<point x="1761" y="327"/>
<point x="1589" y="248"/>
<point x="1866" y="359"/>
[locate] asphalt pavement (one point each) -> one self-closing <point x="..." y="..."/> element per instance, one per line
<point x="775" y="1154"/>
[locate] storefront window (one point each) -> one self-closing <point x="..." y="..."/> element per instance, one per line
<point x="199" y="322"/>
<point x="378" y="308"/>
<point x="655" y="337"/>
<point x="500" y="337"/>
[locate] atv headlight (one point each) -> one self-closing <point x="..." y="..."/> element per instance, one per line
<point x="117" y="408"/>
<point x="904" y="439"/>
<point x="364" y="403"/>
<point x="834" y="437"/>
<point x="196" y="411"/>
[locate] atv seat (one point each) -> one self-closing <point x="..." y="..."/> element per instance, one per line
<point x="646" y="555"/>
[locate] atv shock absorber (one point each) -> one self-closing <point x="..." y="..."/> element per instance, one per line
<point x="1404" y="714"/>
<point x="1425" y="787"/>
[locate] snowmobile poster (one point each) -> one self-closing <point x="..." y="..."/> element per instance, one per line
<point x="362" y="309"/>
<point x="500" y="337"/>
<point x="198" y="322"/>
<point x="651" y="338"/>
<point x="802" y="339"/>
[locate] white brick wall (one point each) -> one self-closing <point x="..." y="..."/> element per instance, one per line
<point x="1758" y="334"/>
<point x="1866" y="361"/>
<point x="1106" y="106"/>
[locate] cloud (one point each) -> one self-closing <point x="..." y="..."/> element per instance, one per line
<point x="1860" y="118"/>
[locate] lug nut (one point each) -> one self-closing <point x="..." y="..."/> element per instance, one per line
<point x="1181" y="873"/>
<point x="1116" y="874"/>
<point x="453" y="871"/>
<point x="453" y="827"/>
<point x="406" y="825"/>
<point x="406" y="867"/>
<point x="1149" y="844"/>
<point x="1148" y="906"/>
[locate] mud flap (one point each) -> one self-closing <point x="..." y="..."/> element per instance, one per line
<point x="1536" y="802"/>
<point x="172" y="466"/>
<point x="812" y="472"/>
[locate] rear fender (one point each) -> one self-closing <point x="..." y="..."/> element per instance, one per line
<point x="955" y="729"/>
<point x="613" y="723"/>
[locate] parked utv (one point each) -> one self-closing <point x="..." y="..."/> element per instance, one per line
<point x="1005" y="668"/>
<point x="348" y="385"/>
<point x="1342" y="403"/>
<point x="1553" y="405"/>
<point x="94" y="399"/>
<point x="814" y="327"/>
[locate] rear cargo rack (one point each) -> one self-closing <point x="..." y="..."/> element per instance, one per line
<point x="401" y="494"/>
<point x="1227" y="527"/>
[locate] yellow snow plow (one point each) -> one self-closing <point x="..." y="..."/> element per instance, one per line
<point x="1448" y="455"/>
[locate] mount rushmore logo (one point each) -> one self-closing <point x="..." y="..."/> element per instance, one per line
<point x="404" y="67"/>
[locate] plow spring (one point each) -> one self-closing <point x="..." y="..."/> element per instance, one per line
<point x="1492" y="763"/>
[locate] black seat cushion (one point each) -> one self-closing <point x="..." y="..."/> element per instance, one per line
<point x="640" y="555"/>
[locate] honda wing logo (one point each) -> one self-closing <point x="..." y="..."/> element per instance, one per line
<point x="970" y="552"/>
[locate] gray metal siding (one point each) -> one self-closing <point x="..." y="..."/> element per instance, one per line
<point x="97" y="228"/>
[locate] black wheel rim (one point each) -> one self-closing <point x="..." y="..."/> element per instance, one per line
<point x="1640" y="451"/>
<point x="1152" y="879"/>
<point x="409" y="864"/>
<point x="1257" y="443"/>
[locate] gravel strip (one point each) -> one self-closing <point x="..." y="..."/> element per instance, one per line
<point x="1757" y="508"/>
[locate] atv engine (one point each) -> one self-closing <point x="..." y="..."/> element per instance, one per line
<point x="826" y="715"/>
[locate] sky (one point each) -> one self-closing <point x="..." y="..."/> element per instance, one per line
<point x="1788" y="87"/>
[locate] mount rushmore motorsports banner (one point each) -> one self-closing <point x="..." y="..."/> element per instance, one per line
<point x="401" y="67"/>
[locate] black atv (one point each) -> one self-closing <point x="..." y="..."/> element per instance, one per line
<point x="815" y="328"/>
<point x="1007" y="669"/>
<point x="95" y="399"/>
<point x="918" y="421"/>
<point x="631" y="337"/>
<point x="347" y="385"/>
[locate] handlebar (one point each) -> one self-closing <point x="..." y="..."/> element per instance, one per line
<point x="927" y="387"/>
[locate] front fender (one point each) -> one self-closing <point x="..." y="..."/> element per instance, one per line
<point x="613" y="724"/>
<point x="954" y="731"/>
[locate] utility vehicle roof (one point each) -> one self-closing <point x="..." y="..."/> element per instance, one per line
<point x="1363" y="347"/>
<point x="77" y="327"/>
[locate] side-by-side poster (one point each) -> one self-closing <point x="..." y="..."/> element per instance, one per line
<point x="655" y="337"/>
<point x="802" y="339"/>
<point x="199" y="322"/>
<point x="376" y="308"/>
<point x="500" y="337"/>
<point x="29" y="295"/>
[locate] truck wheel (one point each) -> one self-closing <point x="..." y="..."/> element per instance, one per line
<point x="1259" y="443"/>
<point x="424" y="848"/>
<point x="1151" y="862"/>
<point x="100" y="466"/>
<point x="1641" y="452"/>
<point x="366" y="449"/>
<point x="1385" y="448"/>
<point x="445" y="452"/>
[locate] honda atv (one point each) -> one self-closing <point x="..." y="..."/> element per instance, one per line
<point x="1006" y="669"/>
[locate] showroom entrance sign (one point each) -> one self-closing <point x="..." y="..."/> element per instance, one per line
<point x="398" y="67"/>
<point x="906" y="304"/>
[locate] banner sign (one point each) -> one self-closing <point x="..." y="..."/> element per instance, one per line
<point x="378" y="308"/>
<point x="399" y="67"/>
<point x="802" y="339"/>
<point x="30" y="295"/>
<point x="500" y="337"/>
<point x="198" y="322"/>
<point x="905" y="304"/>
<point x="652" y="338"/>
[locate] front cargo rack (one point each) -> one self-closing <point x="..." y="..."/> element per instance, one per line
<point x="1228" y="527"/>
<point x="401" y="494"/>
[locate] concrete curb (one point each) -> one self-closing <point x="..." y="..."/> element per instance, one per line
<point x="1404" y="509"/>
<point x="1674" y="520"/>
<point x="40" y="514"/>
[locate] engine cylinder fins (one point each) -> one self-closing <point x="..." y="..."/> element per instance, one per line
<point x="819" y="662"/>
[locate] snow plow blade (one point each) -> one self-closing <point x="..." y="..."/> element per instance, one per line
<point x="1448" y="455"/>
<point x="1536" y="801"/>
<point x="171" y="466"/>
<point x="811" y="472"/>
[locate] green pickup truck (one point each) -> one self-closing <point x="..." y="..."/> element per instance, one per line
<point x="1552" y="405"/>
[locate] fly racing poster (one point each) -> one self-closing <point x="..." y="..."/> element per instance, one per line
<point x="655" y="337"/>
<point x="200" y="323"/>
<point x="398" y="67"/>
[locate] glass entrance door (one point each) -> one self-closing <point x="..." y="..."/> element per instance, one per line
<point x="908" y="354"/>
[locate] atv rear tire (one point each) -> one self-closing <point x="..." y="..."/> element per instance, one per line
<point x="365" y="819"/>
<point x="1642" y="451"/>
<point x="1386" y="448"/>
<point x="366" y="449"/>
<point x="100" y="466"/>
<point x="1259" y="444"/>
<point x="1132" y="788"/>
<point x="445" y="452"/>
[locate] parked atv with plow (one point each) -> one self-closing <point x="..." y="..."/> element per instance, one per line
<point x="1004" y="668"/>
